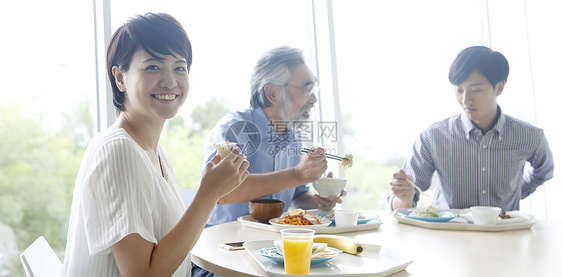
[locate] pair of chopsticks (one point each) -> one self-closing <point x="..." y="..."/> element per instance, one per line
<point x="338" y="158"/>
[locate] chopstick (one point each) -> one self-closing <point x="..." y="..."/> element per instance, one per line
<point x="306" y="150"/>
<point x="421" y="191"/>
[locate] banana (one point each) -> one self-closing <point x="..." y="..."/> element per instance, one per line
<point x="346" y="244"/>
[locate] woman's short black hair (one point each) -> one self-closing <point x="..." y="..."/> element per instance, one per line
<point x="154" y="33"/>
<point x="493" y="65"/>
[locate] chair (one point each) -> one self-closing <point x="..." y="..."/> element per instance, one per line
<point x="39" y="260"/>
<point x="187" y="195"/>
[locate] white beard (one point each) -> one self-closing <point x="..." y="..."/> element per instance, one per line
<point x="289" y="112"/>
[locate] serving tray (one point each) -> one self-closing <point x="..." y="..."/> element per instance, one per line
<point x="248" y="221"/>
<point x="376" y="260"/>
<point x="463" y="224"/>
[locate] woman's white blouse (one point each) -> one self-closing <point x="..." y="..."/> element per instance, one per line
<point x="118" y="191"/>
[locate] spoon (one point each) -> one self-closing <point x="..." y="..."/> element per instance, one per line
<point x="421" y="191"/>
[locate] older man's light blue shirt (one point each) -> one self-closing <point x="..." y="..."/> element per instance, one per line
<point x="264" y="149"/>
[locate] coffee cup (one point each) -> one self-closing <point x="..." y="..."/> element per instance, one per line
<point x="345" y="218"/>
<point x="483" y="215"/>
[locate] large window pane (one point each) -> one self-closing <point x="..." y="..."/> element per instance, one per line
<point x="393" y="78"/>
<point x="525" y="29"/>
<point x="546" y="57"/>
<point x="46" y="106"/>
<point x="393" y="81"/>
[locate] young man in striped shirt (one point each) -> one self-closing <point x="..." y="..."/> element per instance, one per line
<point x="481" y="153"/>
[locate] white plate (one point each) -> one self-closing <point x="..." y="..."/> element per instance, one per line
<point x="325" y="222"/>
<point x="514" y="218"/>
<point x="250" y="222"/>
<point x="376" y="260"/>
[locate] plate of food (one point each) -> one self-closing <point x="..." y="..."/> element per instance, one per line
<point x="362" y="219"/>
<point x="321" y="253"/>
<point x="375" y="260"/>
<point x="300" y="218"/>
<point x="430" y="214"/>
<point x="463" y="222"/>
<point x="503" y="218"/>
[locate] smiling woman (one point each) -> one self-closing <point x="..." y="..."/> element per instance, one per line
<point x="127" y="216"/>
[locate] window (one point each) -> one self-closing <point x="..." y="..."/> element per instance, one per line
<point x="392" y="79"/>
<point x="46" y="109"/>
<point x="393" y="82"/>
<point x="524" y="29"/>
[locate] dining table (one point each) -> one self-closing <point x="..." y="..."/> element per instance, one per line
<point x="533" y="251"/>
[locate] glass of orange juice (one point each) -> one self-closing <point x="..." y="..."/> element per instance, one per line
<point x="297" y="249"/>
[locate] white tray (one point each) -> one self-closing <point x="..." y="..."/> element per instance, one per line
<point x="376" y="260"/>
<point x="248" y="221"/>
<point x="466" y="225"/>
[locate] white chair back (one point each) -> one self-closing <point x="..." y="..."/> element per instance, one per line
<point x="39" y="260"/>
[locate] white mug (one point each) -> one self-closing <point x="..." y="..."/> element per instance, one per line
<point x="483" y="215"/>
<point x="345" y="218"/>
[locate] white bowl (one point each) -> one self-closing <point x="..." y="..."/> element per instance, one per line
<point x="327" y="187"/>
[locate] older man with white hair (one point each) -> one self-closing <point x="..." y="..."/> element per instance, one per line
<point x="283" y="94"/>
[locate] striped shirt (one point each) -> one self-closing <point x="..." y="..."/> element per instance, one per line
<point x="480" y="170"/>
<point x="118" y="191"/>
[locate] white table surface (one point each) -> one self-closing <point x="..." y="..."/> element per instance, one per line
<point x="529" y="252"/>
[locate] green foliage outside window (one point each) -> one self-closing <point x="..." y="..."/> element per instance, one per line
<point x="37" y="172"/>
<point x="184" y="148"/>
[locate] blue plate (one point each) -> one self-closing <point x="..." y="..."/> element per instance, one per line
<point x="444" y="216"/>
<point x="333" y="219"/>
<point x="271" y="253"/>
